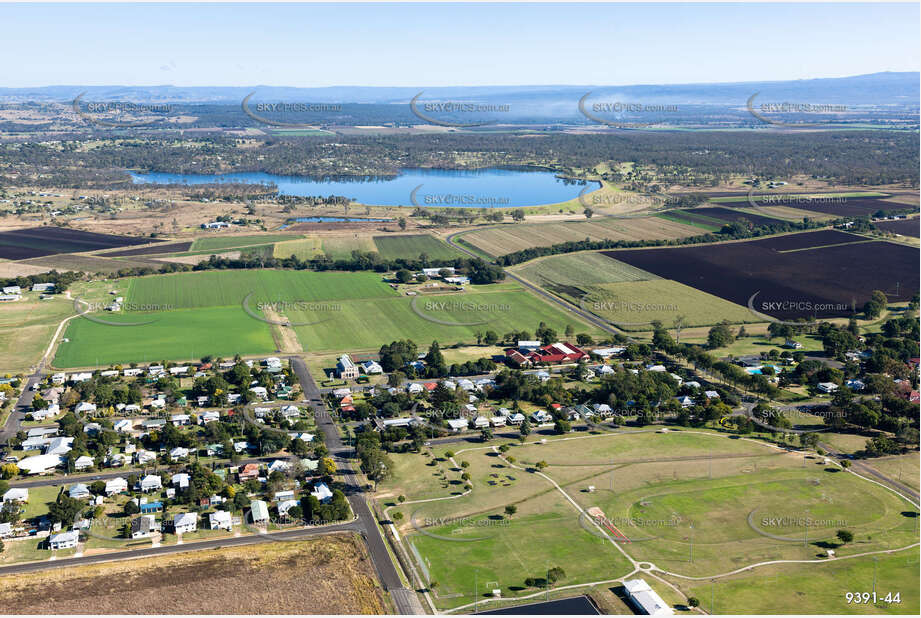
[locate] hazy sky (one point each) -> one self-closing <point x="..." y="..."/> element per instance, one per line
<point x="450" y="44"/>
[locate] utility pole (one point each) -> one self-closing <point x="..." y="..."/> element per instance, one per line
<point x="476" y="594"/>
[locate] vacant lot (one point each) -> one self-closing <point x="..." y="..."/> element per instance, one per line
<point x="332" y="575"/>
<point x="827" y="281"/>
<point x="39" y="241"/>
<point x="26" y="327"/>
<point x="411" y="246"/>
<point x="504" y="239"/>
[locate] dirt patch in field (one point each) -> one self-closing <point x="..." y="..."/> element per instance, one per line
<point x="332" y="575"/>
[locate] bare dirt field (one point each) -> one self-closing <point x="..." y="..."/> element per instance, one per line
<point x="332" y="575"/>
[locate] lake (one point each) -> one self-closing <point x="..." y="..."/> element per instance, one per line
<point x="486" y="188"/>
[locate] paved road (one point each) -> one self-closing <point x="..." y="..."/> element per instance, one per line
<point x="22" y="405"/>
<point x="404" y="599"/>
<point x="288" y="535"/>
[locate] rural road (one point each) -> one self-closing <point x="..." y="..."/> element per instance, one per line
<point x="288" y="535"/>
<point x="404" y="599"/>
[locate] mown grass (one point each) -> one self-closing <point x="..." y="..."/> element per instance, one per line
<point x="411" y="246"/>
<point x="228" y="242"/>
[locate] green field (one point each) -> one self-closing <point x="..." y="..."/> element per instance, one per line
<point x="814" y="588"/>
<point x="580" y="269"/>
<point x="340" y="248"/>
<point x="211" y="243"/>
<point x="221" y="288"/>
<point x="302" y="249"/>
<point x="369" y="323"/>
<point x="411" y="246"/>
<point x="634" y="305"/>
<point x="694" y="503"/>
<point x="177" y="334"/>
<point x="199" y="313"/>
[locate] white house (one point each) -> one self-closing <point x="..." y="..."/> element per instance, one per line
<point x="259" y="511"/>
<point x="144" y="457"/>
<point x="220" y="520"/>
<point x="827" y="387"/>
<point x="116" y="486"/>
<point x="84" y="462"/>
<point x="59" y="446"/>
<point x="64" y="540"/>
<point x="123" y="426"/>
<point x="185" y="522"/>
<point x="372" y="367"/>
<point x="481" y="422"/>
<point x="457" y="424"/>
<point x="16" y="494"/>
<point x="39" y="464"/>
<point x="497" y="421"/>
<point x="143" y="526"/>
<point x="516" y="419"/>
<point x="180" y="419"/>
<point x="321" y="492"/>
<point x="180" y="452"/>
<point x="285" y="505"/>
<point x="180" y="480"/>
<point x="151" y="482"/>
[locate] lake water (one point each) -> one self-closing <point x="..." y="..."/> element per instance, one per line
<point x="486" y="188"/>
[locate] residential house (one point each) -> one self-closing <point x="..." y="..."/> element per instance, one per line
<point x="84" y="462"/>
<point x="321" y="492"/>
<point x="371" y="367"/>
<point x="827" y="387"/>
<point x="143" y="526"/>
<point x="64" y="540"/>
<point x="145" y="457"/>
<point x="185" y="522"/>
<point x="249" y="471"/>
<point x="180" y="452"/>
<point x="16" y="495"/>
<point x="123" y="426"/>
<point x="285" y="505"/>
<point x="259" y="512"/>
<point x="180" y="480"/>
<point x="220" y="520"/>
<point x="457" y="424"/>
<point x="116" y="486"/>
<point x="151" y="482"/>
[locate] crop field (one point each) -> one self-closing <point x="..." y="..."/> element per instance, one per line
<point x="821" y="274"/>
<point x="211" y="243"/>
<point x="87" y="263"/>
<point x="692" y="502"/>
<point x="634" y="305"/>
<point x="579" y="270"/>
<point x="252" y="579"/>
<point x="167" y="247"/>
<point x="838" y="206"/>
<point x="719" y="216"/>
<point x="189" y="315"/>
<point x="411" y="246"/>
<point x="904" y="227"/>
<point x="449" y="318"/>
<point x="504" y="239"/>
<point x="47" y="240"/>
<point x="302" y="249"/>
<point x="221" y="288"/>
<point x="342" y="247"/>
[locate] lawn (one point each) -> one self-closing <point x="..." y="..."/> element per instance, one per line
<point x="814" y="588"/>
<point x="904" y="468"/>
<point x="26" y="327"/>
<point x="411" y="246"/>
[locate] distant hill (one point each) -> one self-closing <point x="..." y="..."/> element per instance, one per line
<point x="876" y="89"/>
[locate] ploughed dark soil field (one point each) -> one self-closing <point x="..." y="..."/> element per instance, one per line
<point x="905" y="227"/>
<point x="171" y="247"/>
<point x="830" y="205"/>
<point x="787" y="277"/>
<point x="724" y="215"/>
<point x="48" y="240"/>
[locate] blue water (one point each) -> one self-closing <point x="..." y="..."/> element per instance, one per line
<point x="756" y="371"/>
<point x="486" y="188"/>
